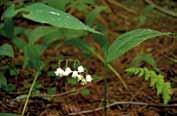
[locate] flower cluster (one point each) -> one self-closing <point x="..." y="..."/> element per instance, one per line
<point x="78" y="74"/>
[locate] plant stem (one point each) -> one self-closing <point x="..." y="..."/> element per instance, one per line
<point x="30" y="91"/>
<point x="110" y="67"/>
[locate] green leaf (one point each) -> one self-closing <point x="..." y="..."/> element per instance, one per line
<point x="6" y="50"/>
<point x="93" y="14"/>
<point x="20" y="43"/>
<point x="166" y="92"/>
<point x="10" y="12"/>
<point x="3" y="81"/>
<point x="8" y="114"/>
<point x="8" y="28"/>
<point x="72" y="81"/>
<point x="82" y="45"/>
<point x="136" y="62"/>
<point x="39" y="32"/>
<point x="159" y="85"/>
<point x="44" y="14"/>
<point x="130" y="40"/>
<point x="32" y="55"/>
<point x="156" y="80"/>
<point x="103" y="41"/>
<point x="85" y="92"/>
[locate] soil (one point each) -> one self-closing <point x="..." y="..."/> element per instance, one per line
<point x="162" y="50"/>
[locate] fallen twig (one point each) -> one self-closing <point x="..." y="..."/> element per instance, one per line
<point x="168" y="12"/>
<point x="122" y="103"/>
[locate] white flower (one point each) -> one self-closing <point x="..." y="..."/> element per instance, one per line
<point x="80" y="69"/>
<point x="75" y="74"/>
<point x="83" y="81"/>
<point x="59" y="72"/>
<point x="67" y="71"/>
<point x="88" y="78"/>
<point x="80" y="77"/>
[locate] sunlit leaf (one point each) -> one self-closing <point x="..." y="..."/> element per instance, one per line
<point x="130" y="40"/>
<point x="44" y="14"/>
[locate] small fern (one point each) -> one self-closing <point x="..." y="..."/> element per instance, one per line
<point x="156" y="80"/>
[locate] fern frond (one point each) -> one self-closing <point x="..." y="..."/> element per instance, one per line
<point x="156" y="80"/>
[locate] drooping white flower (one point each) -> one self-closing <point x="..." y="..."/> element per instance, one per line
<point x="88" y="78"/>
<point x="59" y="72"/>
<point x="83" y="81"/>
<point x="75" y="74"/>
<point x="67" y="71"/>
<point x="80" y="69"/>
<point x="80" y="77"/>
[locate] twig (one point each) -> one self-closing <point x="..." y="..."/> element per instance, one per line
<point x="168" y="12"/>
<point x="116" y="3"/>
<point x="122" y="103"/>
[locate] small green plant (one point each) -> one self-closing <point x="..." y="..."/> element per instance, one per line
<point x="63" y="26"/>
<point x="156" y="80"/>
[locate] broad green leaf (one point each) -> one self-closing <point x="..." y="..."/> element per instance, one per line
<point x="6" y="50"/>
<point x="103" y="41"/>
<point x="44" y="14"/>
<point x="82" y="45"/>
<point x="3" y="81"/>
<point x="8" y="114"/>
<point x="93" y="14"/>
<point x="39" y="32"/>
<point x="130" y="40"/>
<point x="32" y="55"/>
<point x="52" y="37"/>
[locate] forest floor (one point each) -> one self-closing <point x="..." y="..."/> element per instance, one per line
<point x="67" y="102"/>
